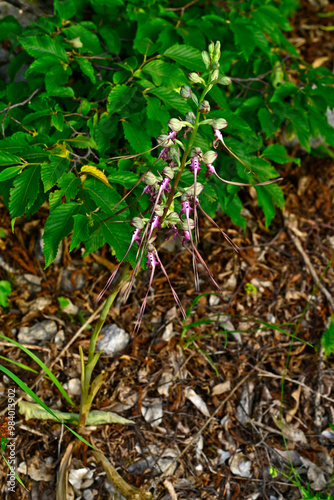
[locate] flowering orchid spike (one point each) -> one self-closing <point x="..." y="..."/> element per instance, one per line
<point x="195" y="168"/>
<point x="176" y="298"/>
<point x="187" y="226"/>
<point x="152" y="263"/>
<point x="135" y="238"/>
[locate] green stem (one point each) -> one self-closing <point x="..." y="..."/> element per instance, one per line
<point x="87" y="369"/>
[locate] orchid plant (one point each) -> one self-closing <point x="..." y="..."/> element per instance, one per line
<point x="172" y="208"/>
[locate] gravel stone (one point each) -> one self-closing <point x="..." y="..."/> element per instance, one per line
<point x="114" y="341"/>
<point x="40" y="333"/>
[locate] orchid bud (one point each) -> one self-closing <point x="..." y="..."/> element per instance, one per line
<point x="191" y="192"/>
<point x="225" y="80"/>
<point x="195" y="152"/>
<point x="185" y="92"/>
<point x="190" y="117"/>
<point x="169" y="172"/>
<point x="215" y="75"/>
<point x="209" y="157"/>
<point x="204" y="107"/>
<point x="163" y="140"/>
<point x="219" y="123"/>
<point x="138" y="223"/>
<point x="175" y="124"/>
<point x="211" y="49"/>
<point x="173" y="218"/>
<point x="159" y="210"/>
<point x="185" y="226"/>
<point x="150" y="179"/>
<point x="206" y="59"/>
<point x="216" y="55"/>
<point x="195" y="78"/>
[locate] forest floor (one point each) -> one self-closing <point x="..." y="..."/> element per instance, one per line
<point x="233" y="404"/>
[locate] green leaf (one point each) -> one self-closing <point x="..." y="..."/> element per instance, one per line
<point x="164" y="73"/>
<point x="278" y="153"/>
<point x="57" y="120"/>
<point x="111" y="38"/>
<point x="52" y="171"/>
<point x="28" y="391"/>
<point x="42" y="65"/>
<point x="287" y="89"/>
<point x="9" y="28"/>
<point x="244" y="37"/>
<point x="189" y="57"/>
<point x="5" y="291"/>
<point x="90" y="41"/>
<point x="268" y="197"/>
<point x="118" y="236"/>
<point x="87" y="68"/>
<point x="104" y="197"/>
<point x="9" y="159"/>
<point x="81" y="141"/>
<point x="327" y="338"/>
<point x="42" y="45"/>
<point x="24" y="192"/>
<point x="136" y="136"/>
<point x="171" y="98"/>
<point x="68" y="185"/>
<point x="59" y="224"/>
<point x="119" y="97"/>
<point x="55" y="78"/>
<point x="125" y="179"/>
<point x="40" y="363"/>
<point x="65" y="8"/>
<point x="270" y="122"/>
<point x="80" y="230"/>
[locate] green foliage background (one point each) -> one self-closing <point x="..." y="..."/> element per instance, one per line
<point x="102" y="78"/>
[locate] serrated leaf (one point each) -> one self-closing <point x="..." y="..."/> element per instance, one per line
<point x="9" y="173"/>
<point x="82" y="141"/>
<point x="57" y="120"/>
<point x="119" y="97"/>
<point x="42" y="65"/>
<point x="90" y="41"/>
<point x="287" y="89"/>
<point x="278" y="153"/>
<point x="59" y="224"/>
<point x="65" y="8"/>
<point x="136" y="136"/>
<point x="24" y="192"/>
<point x="9" y="28"/>
<point x="95" y="172"/>
<point x="125" y="179"/>
<point x="52" y="171"/>
<point x="165" y="73"/>
<point x="80" y="230"/>
<point x="189" y="57"/>
<point x="104" y="197"/>
<point x="87" y="68"/>
<point x="270" y="122"/>
<point x="8" y="159"/>
<point x="268" y="197"/>
<point x="171" y="98"/>
<point x="244" y="38"/>
<point x="118" y="236"/>
<point x="42" y="45"/>
<point x="68" y="185"/>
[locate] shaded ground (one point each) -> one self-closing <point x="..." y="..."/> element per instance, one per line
<point x="225" y="386"/>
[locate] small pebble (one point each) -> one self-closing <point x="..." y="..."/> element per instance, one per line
<point x="40" y="333"/>
<point x="114" y="341"/>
